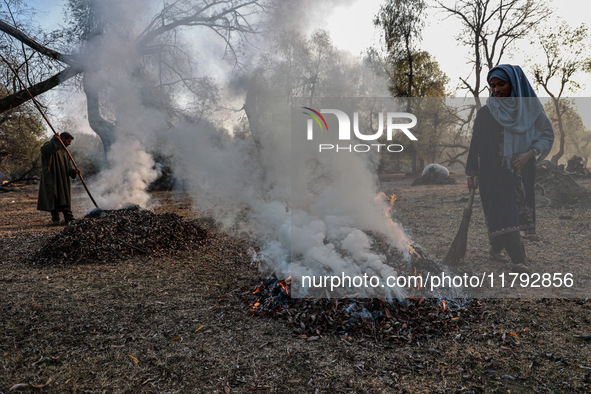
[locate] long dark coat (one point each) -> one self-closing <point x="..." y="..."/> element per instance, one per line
<point x="56" y="168"/>
<point x="507" y="199"/>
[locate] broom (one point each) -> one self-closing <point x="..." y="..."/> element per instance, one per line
<point x="457" y="250"/>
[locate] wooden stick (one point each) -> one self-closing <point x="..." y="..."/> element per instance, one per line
<point x="51" y="127"/>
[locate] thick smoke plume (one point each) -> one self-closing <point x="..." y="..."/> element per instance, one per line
<point x="312" y="215"/>
<point x="112" y="75"/>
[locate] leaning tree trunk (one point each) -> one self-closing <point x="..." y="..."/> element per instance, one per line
<point x="103" y="128"/>
<point x="14" y="100"/>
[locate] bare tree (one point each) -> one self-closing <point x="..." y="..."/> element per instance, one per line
<point x="297" y="67"/>
<point x="153" y="47"/>
<point x="490" y="27"/>
<point x="32" y="58"/>
<point x="565" y="49"/>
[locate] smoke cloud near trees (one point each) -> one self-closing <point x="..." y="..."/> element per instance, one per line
<point x="310" y="215"/>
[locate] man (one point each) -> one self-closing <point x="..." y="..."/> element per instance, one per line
<point x="56" y="171"/>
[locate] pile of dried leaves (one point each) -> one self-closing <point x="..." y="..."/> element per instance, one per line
<point x="559" y="188"/>
<point x="408" y="320"/>
<point x="118" y="235"/>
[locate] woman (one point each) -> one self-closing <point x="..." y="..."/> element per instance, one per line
<point x="510" y="132"/>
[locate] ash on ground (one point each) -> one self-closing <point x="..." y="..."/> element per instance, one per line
<point x="119" y="235"/>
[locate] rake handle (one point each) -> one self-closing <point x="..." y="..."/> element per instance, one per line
<point x="51" y="127"/>
<point x="472" y="192"/>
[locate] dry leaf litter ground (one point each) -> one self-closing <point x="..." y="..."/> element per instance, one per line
<point x="181" y="321"/>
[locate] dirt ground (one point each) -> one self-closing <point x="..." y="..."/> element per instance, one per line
<point x="181" y="324"/>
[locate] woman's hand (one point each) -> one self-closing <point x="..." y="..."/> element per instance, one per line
<point x="521" y="159"/>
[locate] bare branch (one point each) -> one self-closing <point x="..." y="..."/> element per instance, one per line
<point x="20" y="97"/>
<point x="22" y="37"/>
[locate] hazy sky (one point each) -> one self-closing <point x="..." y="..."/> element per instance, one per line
<point x="351" y="28"/>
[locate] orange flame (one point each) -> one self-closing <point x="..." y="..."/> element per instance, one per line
<point x="444" y="305"/>
<point x="390" y="207"/>
<point x="258" y="289"/>
<point x="285" y="284"/>
<point x="392" y="199"/>
<point x="255" y="306"/>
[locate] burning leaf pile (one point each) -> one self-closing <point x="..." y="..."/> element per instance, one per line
<point x="403" y="321"/>
<point x="414" y="318"/>
<point x="119" y="235"/>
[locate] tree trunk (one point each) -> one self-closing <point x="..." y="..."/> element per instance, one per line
<point x="103" y="128"/>
<point x="560" y="152"/>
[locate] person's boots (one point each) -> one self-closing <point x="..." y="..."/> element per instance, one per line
<point x="67" y="215"/>
<point x="55" y="217"/>
<point x="516" y="251"/>
<point x="496" y="250"/>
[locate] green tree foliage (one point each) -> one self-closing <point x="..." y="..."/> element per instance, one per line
<point x="402" y="23"/>
<point x="413" y="73"/>
<point x="434" y="117"/>
<point x="22" y="133"/>
<point x="428" y="79"/>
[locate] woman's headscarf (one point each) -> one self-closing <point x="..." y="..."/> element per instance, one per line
<point x="522" y="116"/>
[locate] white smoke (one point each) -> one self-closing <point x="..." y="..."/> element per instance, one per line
<point x="311" y="214"/>
<point x="112" y="64"/>
<point x="126" y="179"/>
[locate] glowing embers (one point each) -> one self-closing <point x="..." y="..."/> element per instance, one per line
<point x="285" y="284"/>
<point x="272" y="295"/>
<point x="357" y="320"/>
